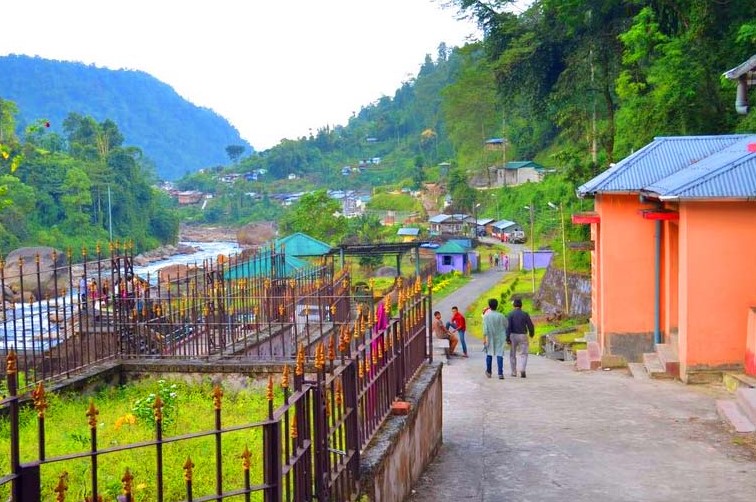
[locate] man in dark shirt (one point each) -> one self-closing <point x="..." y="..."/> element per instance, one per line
<point x="519" y="327"/>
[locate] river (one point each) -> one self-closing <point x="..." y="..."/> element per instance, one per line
<point x="32" y="319"/>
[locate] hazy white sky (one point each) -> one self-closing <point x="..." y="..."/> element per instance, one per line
<point x="274" y="69"/>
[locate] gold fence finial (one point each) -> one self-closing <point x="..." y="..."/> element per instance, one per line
<point x="40" y="399"/>
<point x="332" y="348"/>
<point x="127" y="480"/>
<point x="320" y="356"/>
<point x="245" y="456"/>
<point x="299" y="370"/>
<point x="293" y="429"/>
<point x="11" y="362"/>
<point x="62" y="487"/>
<point x="217" y="397"/>
<point x="285" y="377"/>
<point x="269" y="392"/>
<point x="92" y="413"/>
<point x="188" y="467"/>
<point x="157" y="408"/>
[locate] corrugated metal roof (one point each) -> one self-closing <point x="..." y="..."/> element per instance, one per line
<point x="451" y="248"/>
<point x="408" y="231"/>
<point x="730" y="173"/>
<point x="502" y="224"/>
<point x="299" y="244"/>
<point x="439" y="218"/>
<point x="658" y="160"/>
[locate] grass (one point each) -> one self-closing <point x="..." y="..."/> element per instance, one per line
<point x="120" y="422"/>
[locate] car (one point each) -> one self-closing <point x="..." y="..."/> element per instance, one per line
<point x="515" y="237"/>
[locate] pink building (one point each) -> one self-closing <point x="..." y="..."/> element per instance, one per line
<point x="674" y="258"/>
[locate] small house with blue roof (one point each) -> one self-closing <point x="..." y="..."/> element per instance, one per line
<point x="674" y="256"/>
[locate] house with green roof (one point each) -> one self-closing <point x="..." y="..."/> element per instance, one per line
<point x="456" y="255"/>
<point x="517" y="172"/>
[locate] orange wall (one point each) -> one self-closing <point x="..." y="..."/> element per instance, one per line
<point x="626" y="273"/>
<point x="717" y="281"/>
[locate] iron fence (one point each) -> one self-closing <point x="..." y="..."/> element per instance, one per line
<point x="341" y="391"/>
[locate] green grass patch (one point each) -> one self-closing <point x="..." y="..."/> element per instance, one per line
<point x="125" y="418"/>
<point x="446" y="284"/>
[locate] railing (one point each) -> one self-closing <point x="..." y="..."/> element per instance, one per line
<point x="249" y="305"/>
<point x="311" y="436"/>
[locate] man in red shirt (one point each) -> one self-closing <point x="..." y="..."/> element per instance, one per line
<point x="458" y="323"/>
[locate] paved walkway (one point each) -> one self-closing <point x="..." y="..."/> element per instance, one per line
<point x="563" y="435"/>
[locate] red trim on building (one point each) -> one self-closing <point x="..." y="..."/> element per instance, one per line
<point x="585" y="218"/>
<point x="660" y="214"/>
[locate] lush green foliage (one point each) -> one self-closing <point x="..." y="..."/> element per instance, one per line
<point x="69" y="191"/>
<point x="395" y="202"/>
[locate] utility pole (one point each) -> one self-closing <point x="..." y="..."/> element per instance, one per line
<point x="564" y="257"/>
<point x="110" y="216"/>
<point x="532" y="245"/>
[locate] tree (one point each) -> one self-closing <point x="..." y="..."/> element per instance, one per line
<point x="234" y="152"/>
<point x="317" y="215"/>
<point x="76" y="198"/>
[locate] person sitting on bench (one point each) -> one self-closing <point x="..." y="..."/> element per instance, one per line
<point x="441" y="332"/>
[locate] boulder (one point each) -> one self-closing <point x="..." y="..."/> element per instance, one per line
<point x="171" y="273"/>
<point x="255" y="234"/>
<point x="50" y="261"/>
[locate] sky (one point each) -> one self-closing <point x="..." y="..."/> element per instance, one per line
<point x="274" y="69"/>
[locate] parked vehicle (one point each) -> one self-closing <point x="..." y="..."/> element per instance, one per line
<point x="515" y="237"/>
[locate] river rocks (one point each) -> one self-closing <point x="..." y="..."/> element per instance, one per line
<point x="50" y="259"/>
<point x="162" y="253"/>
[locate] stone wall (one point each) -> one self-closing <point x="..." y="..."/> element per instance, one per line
<point x="405" y="445"/>
<point x="551" y="292"/>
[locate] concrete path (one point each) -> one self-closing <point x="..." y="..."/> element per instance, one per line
<point x="563" y="435"/>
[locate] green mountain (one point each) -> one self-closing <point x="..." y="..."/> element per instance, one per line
<point x="176" y="135"/>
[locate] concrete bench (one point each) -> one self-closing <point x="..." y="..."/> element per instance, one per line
<point x="442" y="346"/>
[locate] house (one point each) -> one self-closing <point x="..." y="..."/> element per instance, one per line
<point x="450" y="224"/>
<point x="189" y="197"/>
<point x="502" y="227"/>
<point x="484" y="226"/>
<point x="673" y="268"/>
<point x="408" y="234"/>
<point x="516" y="173"/>
<point x="456" y="255"/>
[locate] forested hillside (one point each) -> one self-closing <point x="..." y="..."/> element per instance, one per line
<point x="177" y="136"/>
<point x="572" y="84"/>
<point x="576" y="84"/>
<point x="77" y="189"/>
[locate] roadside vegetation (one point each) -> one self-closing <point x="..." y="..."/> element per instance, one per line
<point x="518" y="284"/>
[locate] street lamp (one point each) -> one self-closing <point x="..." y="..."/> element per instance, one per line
<point x="560" y="208"/>
<point x="475" y="224"/>
<point x="532" y="246"/>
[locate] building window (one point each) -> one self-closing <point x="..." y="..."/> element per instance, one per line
<point x="446" y="260"/>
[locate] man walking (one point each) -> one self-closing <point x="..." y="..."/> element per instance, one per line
<point x="519" y="327"/>
<point x="494" y="337"/>
<point x="458" y="323"/>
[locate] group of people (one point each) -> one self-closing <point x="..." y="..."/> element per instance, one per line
<point x="515" y="330"/>
<point x="499" y="260"/>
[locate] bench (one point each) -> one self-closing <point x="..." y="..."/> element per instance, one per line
<point x="442" y="345"/>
